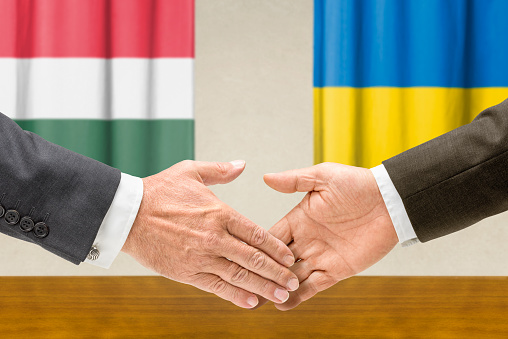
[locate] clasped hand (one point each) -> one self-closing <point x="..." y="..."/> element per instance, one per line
<point x="185" y="233"/>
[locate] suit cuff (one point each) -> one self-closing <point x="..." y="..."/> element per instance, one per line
<point x="118" y="221"/>
<point x="400" y="219"/>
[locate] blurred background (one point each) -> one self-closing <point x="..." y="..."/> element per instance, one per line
<point x="281" y="84"/>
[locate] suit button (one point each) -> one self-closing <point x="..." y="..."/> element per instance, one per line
<point x="12" y="217"/>
<point x="26" y="224"/>
<point x="2" y="211"/>
<point x="41" y="230"/>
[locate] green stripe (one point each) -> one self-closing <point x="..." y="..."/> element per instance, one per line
<point x="136" y="147"/>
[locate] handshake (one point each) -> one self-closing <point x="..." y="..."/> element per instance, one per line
<point x="185" y="233"/>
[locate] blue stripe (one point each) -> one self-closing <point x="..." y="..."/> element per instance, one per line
<point x="404" y="43"/>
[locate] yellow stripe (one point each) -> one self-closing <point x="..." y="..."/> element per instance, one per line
<point x="364" y="126"/>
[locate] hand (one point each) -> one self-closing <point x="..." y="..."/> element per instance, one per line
<point x="340" y="228"/>
<point x="185" y="233"/>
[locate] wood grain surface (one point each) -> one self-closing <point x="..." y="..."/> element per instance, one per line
<point x="153" y="307"/>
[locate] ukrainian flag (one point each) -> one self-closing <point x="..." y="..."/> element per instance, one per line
<point x="392" y="74"/>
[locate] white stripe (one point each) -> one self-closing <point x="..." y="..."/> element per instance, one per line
<point x="88" y="88"/>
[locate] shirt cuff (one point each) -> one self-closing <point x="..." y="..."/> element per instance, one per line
<point x="400" y="219"/>
<point x="117" y="223"/>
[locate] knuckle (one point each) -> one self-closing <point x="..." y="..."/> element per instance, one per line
<point x="312" y="290"/>
<point x="265" y="287"/>
<point x="322" y="282"/>
<point x="186" y="163"/>
<point x="326" y="165"/>
<point x="218" y="286"/>
<point x="259" y="236"/>
<point x="283" y="276"/>
<point x="221" y="168"/>
<point x="235" y="295"/>
<point x="257" y="260"/>
<point x="225" y="214"/>
<point x="212" y="240"/>
<point x="304" y="182"/>
<point x="240" y="275"/>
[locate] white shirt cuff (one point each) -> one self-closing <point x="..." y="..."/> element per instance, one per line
<point x="118" y="221"/>
<point x="400" y="219"/>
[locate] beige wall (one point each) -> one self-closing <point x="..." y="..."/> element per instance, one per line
<point x="254" y="102"/>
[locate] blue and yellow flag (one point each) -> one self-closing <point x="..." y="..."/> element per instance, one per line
<point x="392" y="74"/>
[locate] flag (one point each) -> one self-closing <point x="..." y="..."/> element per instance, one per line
<point x="392" y="74"/>
<point x="110" y="79"/>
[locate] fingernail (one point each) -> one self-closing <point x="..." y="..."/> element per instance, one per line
<point x="293" y="284"/>
<point x="252" y="301"/>
<point x="281" y="294"/>
<point x="289" y="260"/>
<point x="238" y="164"/>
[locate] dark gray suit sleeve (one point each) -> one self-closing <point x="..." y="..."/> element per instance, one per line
<point x="457" y="179"/>
<point x="69" y="192"/>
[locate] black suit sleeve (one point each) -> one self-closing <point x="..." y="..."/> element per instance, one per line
<point x="68" y="192"/>
<point x="457" y="179"/>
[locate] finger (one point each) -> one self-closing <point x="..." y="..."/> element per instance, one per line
<point x="213" y="173"/>
<point x="284" y="228"/>
<point x="238" y="276"/>
<point x="297" y="250"/>
<point x="214" y="284"/>
<point x="256" y="236"/>
<point x="260" y="263"/>
<point x="302" y="269"/>
<point x="318" y="281"/>
<point x="299" y="180"/>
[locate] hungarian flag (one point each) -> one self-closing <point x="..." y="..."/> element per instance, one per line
<point x="110" y="79"/>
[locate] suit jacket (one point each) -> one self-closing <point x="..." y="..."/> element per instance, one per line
<point x="457" y="179"/>
<point x="51" y="196"/>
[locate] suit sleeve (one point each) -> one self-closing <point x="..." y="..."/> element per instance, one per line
<point x="457" y="179"/>
<point x="65" y="194"/>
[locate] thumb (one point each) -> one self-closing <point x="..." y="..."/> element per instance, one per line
<point x="213" y="173"/>
<point x="299" y="180"/>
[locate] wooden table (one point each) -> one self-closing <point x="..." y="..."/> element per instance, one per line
<point x="153" y="307"/>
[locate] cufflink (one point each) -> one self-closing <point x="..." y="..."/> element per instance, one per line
<point x="93" y="254"/>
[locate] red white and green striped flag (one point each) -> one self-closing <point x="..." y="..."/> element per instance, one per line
<point x="110" y="79"/>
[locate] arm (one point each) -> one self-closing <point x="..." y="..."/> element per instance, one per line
<point x="182" y="230"/>
<point x="457" y="179"/>
<point x="66" y="191"/>
<point x="343" y="225"/>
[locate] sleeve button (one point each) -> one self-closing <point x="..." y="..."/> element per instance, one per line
<point x="41" y="230"/>
<point x="26" y="224"/>
<point x="12" y="217"/>
<point x="2" y="211"/>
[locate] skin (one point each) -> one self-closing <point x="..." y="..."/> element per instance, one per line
<point x="185" y="233"/>
<point x="340" y="228"/>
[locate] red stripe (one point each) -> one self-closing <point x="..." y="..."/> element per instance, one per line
<point x="97" y="28"/>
